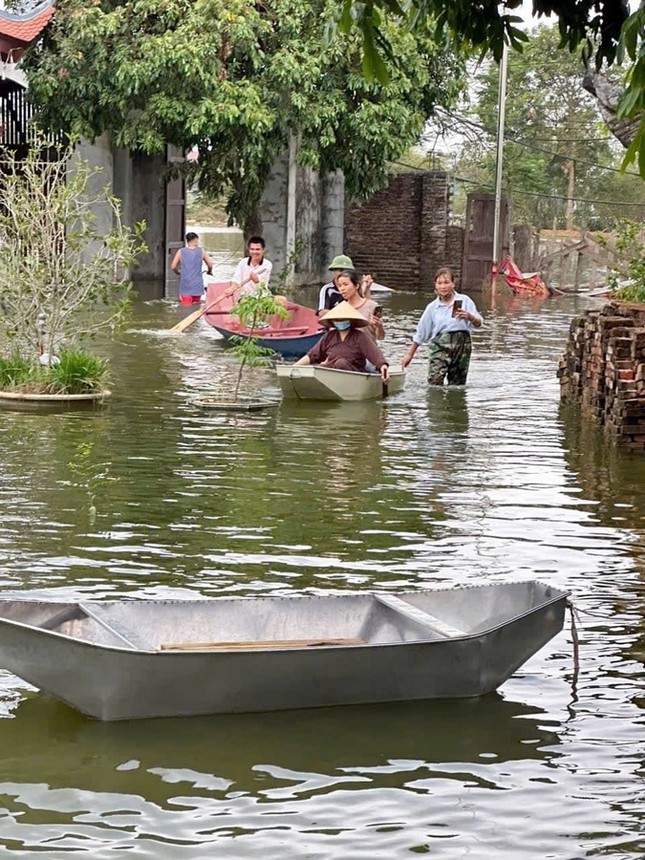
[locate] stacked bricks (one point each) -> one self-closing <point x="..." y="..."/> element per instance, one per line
<point x="403" y="235"/>
<point x="603" y="369"/>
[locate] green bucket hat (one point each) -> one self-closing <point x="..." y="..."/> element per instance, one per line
<point x="342" y="261"/>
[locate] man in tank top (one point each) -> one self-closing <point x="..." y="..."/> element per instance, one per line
<point x="187" y="263"/>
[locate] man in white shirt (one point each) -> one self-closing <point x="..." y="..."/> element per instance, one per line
<point x="251" y="270"/>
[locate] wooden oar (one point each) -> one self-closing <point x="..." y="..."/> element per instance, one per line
<point x="191" y="318"/>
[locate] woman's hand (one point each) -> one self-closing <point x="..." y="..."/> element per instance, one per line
<point x="385" y="372"/>
<point x="465" y="315"/>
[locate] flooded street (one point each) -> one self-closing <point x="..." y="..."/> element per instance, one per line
<point x="494" y="482"/>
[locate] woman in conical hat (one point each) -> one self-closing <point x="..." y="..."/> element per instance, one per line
<point x="345" y="346"/>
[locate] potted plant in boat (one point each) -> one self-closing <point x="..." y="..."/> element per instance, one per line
<point x="252" y="310"/>
<point x="62" y="279"/>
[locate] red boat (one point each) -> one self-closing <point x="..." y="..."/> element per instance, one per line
<point x="525" y="284"/>
<point x="291" y="337"/>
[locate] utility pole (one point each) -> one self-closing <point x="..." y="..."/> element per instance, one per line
<point x="501" y="117"/>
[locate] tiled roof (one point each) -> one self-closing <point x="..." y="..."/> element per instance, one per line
<point x="17" y="30"/>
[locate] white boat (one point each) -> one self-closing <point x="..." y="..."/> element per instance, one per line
<point x="314" y="382"/>
<point x="380" y="288"/>
<point x="129" y="659"/>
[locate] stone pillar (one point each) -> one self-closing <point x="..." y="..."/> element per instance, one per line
<point x="332" y="220"/>
<point x="148" y="203"/>
<point x="98" y="155"/>
<point x="308" y="226"/>
<point x="273" y="213"/>
<point x="435" y="213"/>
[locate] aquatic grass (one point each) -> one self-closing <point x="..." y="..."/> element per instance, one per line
<point x="16" y="372"/>
<point x="76" y="372"/>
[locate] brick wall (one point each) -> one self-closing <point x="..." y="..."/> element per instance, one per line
<point x="603" y="370"/>
<point x="402" y="233"/>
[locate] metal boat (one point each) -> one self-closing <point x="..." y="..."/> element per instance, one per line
<point x="314" y="382"/>
<point x="291" y="337"/>
<point x="127" y="659"/>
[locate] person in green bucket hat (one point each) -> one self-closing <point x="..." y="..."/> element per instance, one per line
<point x="329" y="295"/>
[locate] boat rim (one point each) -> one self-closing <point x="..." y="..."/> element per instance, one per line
<point x="556" y="598"/>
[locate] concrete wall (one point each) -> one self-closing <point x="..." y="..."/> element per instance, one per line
<point x="319" y="219"/>
<point x="98" y="155"/>
<point x="137" y="181"/>
<point x="403" y="235"/>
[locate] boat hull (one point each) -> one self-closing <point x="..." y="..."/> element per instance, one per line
<point x="289" y="337"/>
<point x="111" y="660"/>
<point x="286" y="347"/>
<point x="526" y="284"/>
<point x="313" y="382"/>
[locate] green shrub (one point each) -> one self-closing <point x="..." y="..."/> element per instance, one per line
<point x="630" y="242"/>
<point x="16" y="372"/>
<point x="77" y="372"/>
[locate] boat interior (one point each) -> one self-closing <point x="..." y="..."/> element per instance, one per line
<point x="279" y="623"/>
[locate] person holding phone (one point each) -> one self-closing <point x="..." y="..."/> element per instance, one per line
<point x="349" y="287"/>
<point x="445" y="325"/>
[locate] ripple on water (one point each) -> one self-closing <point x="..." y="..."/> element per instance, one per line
<point x="490" y="481"/>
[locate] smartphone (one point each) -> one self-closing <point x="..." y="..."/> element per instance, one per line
<point x="456" y="306"/>
<point x="378" y="311"/>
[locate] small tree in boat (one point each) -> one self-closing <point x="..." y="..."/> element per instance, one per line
<point x="62" y="280"/>
<point x="252" y="310"/>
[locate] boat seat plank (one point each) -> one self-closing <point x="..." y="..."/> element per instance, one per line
<point x="60" y="617"/>
<point x="435" y="624"/>
<point x="127" y="636"/>
<point x="255" y="644"/>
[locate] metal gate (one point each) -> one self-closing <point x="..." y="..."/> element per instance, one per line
<point x="478" y="238"/>
<point x="175" y="217"/>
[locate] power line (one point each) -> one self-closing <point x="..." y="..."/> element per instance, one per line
<point x="529" y="193"/>
<point x="553" y="196"/>
<point x="566" y="156"/>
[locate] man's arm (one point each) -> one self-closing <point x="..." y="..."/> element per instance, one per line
<point x="176" y="262"/>
<point x="209" y="263"/>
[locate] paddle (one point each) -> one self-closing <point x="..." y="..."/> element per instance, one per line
<point x="191" y="318"/>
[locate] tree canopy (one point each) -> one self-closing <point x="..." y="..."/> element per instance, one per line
<point x="605" y="32"/>
<point x="235" y="78"/>
<point x="559" y="160"/>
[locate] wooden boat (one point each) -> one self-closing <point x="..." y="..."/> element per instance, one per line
<point x="525" y="283"/>
<point x="127" y="659"/>
<point x="291" y="337"/>
<point x="314" y="382"/>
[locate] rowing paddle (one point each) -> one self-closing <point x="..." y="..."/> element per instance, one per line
<point x="191" y="318"/>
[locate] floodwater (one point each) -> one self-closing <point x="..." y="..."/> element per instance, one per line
<point x="493" y="482"/>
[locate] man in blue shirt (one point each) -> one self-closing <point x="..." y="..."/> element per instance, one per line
<point x="446" y="324"/>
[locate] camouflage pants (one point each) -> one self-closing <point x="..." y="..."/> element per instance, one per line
<point x="449" y="356"/>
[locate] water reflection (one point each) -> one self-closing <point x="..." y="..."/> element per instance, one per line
<point x="233" y="748"/>
<point x="91" y="786"/>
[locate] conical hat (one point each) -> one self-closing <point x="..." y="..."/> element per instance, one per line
<point x="344" y="311"/>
